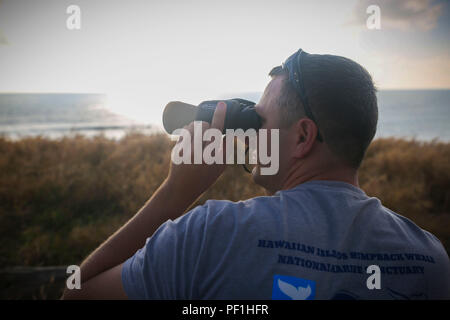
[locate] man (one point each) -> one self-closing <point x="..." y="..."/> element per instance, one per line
<point x="316" y="236"/>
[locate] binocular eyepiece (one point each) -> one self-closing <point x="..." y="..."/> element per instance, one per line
<point x="241" y="114"/>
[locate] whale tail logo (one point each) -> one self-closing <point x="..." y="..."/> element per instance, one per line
<point x="286" y="287"/>
<point x="293" y="292"/>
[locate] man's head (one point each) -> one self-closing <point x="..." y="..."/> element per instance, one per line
<point x="336" y="131"/>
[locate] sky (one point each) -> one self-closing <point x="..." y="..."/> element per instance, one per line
<point x="144" y="53"/>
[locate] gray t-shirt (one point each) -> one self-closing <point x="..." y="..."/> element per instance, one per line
<point x="314" y="241"/>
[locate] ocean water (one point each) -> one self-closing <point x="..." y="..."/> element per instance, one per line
<point x="411" y="114"/>
<point x="419" y="114"/>
<point x="57" y="115"/>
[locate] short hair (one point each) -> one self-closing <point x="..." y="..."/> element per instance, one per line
<point x="342" y="97"/>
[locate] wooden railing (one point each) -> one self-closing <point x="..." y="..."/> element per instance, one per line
<point x="32" y="282"/>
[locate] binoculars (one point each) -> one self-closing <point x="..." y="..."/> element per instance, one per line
<point x="241" y="114"/>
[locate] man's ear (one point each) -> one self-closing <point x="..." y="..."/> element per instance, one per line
<point x="305" y="131"/>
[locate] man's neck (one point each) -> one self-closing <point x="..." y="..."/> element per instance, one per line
<point x="343" y="174"/>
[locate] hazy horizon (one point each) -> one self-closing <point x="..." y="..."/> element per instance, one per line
<point x="421" y="114"/>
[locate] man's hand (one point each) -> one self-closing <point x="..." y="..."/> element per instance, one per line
<point x="191" y="180"/>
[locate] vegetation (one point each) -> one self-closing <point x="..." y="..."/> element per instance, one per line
<point x="59" y="199"/>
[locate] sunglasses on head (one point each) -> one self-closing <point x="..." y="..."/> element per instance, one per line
<point x="293" y="66"/>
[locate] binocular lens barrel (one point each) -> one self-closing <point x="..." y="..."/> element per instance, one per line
<point x="241" y="114"/>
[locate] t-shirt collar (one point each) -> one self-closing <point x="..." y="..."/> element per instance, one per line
<point x="325" y="183"/>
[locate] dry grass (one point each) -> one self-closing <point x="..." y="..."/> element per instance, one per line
<point x="59" y="199"/>
<point x="413" y="179"/>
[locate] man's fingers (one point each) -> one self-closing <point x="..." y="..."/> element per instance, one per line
<point x="218" y="120"/>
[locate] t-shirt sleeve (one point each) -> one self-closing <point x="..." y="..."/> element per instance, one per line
<point x="165" y="266"/>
